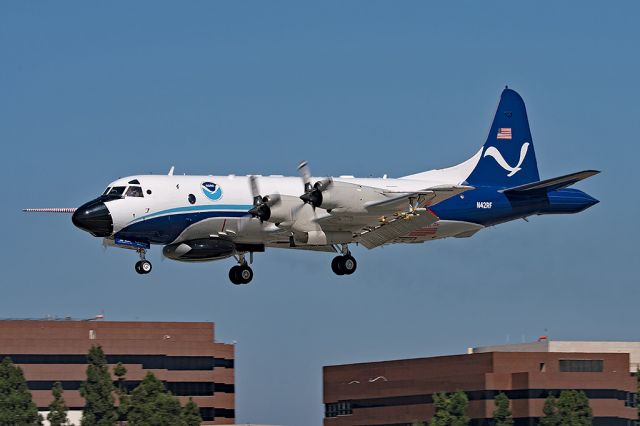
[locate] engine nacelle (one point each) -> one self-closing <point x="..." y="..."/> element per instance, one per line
<point x="348" y="197"/>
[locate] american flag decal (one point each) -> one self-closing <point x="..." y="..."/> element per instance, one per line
<point x="504" y="133"/>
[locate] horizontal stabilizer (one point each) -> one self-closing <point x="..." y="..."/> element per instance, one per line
<point x="552" y="184"/>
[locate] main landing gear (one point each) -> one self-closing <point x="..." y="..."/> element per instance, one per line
<point x="345" y="264"/>
<point x="143" y="266"/>
<point x="241" y="273"/>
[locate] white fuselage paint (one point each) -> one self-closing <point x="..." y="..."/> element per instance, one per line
<point x="170" y="193"/>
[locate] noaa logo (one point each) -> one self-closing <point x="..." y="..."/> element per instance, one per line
<point x="492" y="151"/>
<point x="211" y="190"/>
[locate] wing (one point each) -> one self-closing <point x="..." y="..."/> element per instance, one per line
<point x="401" y="225"/>
<point x="385" y="208"/>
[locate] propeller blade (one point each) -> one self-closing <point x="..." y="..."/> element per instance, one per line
<point x="324" y="184"/>
<point x="272" y="199"/>
<point x="255" y="191"/>
<point x="305" y="174"/>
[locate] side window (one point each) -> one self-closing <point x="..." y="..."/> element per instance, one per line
<point x="106" y="191"/>
<point x="134" y="191"/>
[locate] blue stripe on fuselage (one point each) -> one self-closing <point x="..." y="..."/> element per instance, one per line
<point x="243" y="207"/>
<point x="165" y="229"/>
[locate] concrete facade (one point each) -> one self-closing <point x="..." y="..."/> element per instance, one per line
<point x="184" y="355"/>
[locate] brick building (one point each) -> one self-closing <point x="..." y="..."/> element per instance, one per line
<point x="398" y="393"/>
<point x="184" y="355"/>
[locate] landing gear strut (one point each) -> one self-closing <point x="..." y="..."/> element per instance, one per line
<point x="143" y="266"/>
<point x="241" y="273"/>
<point x="345" y="264"/>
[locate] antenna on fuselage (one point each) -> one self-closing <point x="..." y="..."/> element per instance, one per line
<point x="171" y="171"/>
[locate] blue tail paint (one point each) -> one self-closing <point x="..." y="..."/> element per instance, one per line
<point x="508" y="158"/>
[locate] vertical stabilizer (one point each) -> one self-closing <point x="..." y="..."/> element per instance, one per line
<point x="508" y="158"/>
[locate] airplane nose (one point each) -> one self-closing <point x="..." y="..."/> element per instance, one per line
<point x="94" y="217"/>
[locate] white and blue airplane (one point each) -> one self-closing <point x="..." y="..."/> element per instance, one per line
<point x="204" y="218"/>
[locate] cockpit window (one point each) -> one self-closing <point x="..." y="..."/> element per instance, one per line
<point x="134" y="191"/>
<point x="134" y="182"/>
<point x="106" y="191"/>
<point x="117" y="190"/>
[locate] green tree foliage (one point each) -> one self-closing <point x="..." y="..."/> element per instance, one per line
<point x="550" y="411"/>
<point x="97" y="391"/>
<point x="417" y="423"/>
<point x="152" y="405"/>
<point x="450" y="409"/>
<point x="124" y="399"/>
<point x="16" y="405"/>
<point x="571" y="408"/>
<point x="191" y="414"/>
<point x="502" y="413"/>
<point x="58" y="408"/>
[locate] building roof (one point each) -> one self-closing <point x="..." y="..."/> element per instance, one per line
<point x="568" y="346"/>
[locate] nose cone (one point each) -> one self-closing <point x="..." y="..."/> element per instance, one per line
<point x="94" y="217"/>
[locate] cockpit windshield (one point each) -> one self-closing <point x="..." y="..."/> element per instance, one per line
<point x="116" y="190"/>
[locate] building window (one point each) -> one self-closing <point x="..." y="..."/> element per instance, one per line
<point x="92" y="335"/>
<point x="341" y="408"/>
<point x="581" y="365"/>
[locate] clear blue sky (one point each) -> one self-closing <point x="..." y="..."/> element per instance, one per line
<point x="92" y="92"/>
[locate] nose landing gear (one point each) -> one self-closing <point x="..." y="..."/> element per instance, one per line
<point x="143" y="266"/>
<point x="345" y="264"/>
<point x="241" y="273"/>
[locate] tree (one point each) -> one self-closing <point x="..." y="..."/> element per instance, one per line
<point x="502" y="413"/>
<point x="550" y="411"/>
<point x="58" y="408"/>
<point x="97" y="391"/>
<point x="571" y="408"/>
<point x="191" y="414"/>
<point x="450" y="409"/>
<point x="152" y="405"/>
<point x="16" y="405"/>
<point x="124" y="399"/>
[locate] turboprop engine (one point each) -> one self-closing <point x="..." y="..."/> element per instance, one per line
<point x="343" y="197"/>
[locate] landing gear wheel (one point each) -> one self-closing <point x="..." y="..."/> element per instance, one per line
<point x="348" y="264"/>
<point x="143" y="267"/>
<point x="241" y="274"/>
<point x="335" y="265"/>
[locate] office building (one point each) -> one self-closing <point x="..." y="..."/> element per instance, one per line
<point x="182" y="354"/>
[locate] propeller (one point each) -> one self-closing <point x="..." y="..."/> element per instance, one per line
<point x="261" y="205"/>
<point x="312" y="193"/>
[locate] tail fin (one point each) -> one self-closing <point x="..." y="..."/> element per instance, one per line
<point x="508" y="158"/>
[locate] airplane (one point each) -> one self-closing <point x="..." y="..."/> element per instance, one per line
<point x="206" y="218"/>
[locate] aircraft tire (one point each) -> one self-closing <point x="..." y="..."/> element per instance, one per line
<point x="348" y="264"/>
<point x="137" y="267"/>
<point x="234" y="275"/>
<point x="336" y="265"/>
